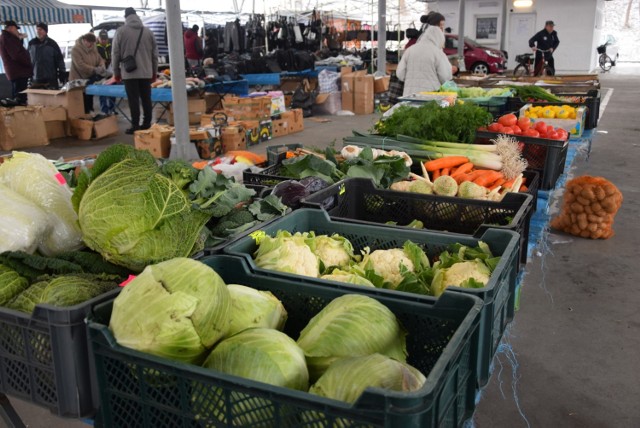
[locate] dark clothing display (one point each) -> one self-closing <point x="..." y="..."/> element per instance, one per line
<point x="139" y="92"/>
<point x="48" y="62"/>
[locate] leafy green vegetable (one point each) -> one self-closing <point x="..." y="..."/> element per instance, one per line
<point x="11" y="284"/>
<point x="65" y="290"/>
<point x="311" y="166"/>
<point x="33" y="177"/>
<point x="347" y="277"/>
<point x="254" y="308"/>
<point x="217" y="195"/>
<point x="351" y="325"/>
<point x="176" y="309"/>
<point x="536" y="92"/>
<point x="267" y="208"/>
<point x="238" y="219"/>
<point x="134" y="216"/>
<point x="181" y="172"/>
<point x="32" y="266"/>
<point x="346" y="379"/>
<point x="384" y="170"/>
<point x="457" y="123"/>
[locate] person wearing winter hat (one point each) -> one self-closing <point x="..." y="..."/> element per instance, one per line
<point x="134" y="39"/>
<point x="47" y="59"/>
<point x="16" y="60"/>
<point x="107" y="104"/>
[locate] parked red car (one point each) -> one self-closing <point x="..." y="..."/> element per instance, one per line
<point x="477" y="58"/>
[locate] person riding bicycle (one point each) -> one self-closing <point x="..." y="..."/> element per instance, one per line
<point x="545" y="42"/>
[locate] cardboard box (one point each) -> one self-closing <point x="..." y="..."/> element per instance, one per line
<point x="22" y="127"/>
<point x="55" y="121"/>
<point x="196" y="108"/>
<point x="345" y="70"/>
<point x="381" y="84"/>
<point x="208" y="143"/>
<point x="250" y="108"/>
<point x="233" y="138"/>
<point x="574" y="127"/>
<point x="54" y="113"/>
<point x="156" y="140"/>
<point x="213" y="102"/>
<point x="85" y="128"/>
<point x="297" y="125"/>
<point x="391" y="68"/>
<point x="357" y="92"/>
<point x="56" y="129"/>
<point x="280" y="128"/>
<point x="72" y="100"/>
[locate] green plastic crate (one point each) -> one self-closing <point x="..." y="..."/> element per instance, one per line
<point x="442" y="343"/>
<point x="498" y="295"/>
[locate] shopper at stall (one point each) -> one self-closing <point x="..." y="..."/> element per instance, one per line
<point x="544" y="42"/>
<point x="425" y="66"/>
<point x="193" y="49"/>
<point x="87" y="64"/>
<point x="47" y="59"/>
<point x="107" y="104"/>
<point x="16" y="60"/>
<point x="134" y="40"/>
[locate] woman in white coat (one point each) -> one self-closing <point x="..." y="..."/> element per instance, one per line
<point x="425" y="67"/>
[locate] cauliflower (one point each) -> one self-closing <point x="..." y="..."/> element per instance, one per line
<point x="386" y="263"/>
<point x="347" y="277"/>
<point x="331" y="250"/>
<point x="463" y="274"/>
<point x="287" y="253"/>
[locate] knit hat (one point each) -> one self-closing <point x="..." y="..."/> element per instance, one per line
<point x="11" y="24"/>
<point x="44" y="26"/>
<point x="103" y="34"/>
<point x="129" y="11"/>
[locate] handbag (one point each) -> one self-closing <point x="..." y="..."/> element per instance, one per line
<point x="396" y="88"/>
<point x="129" y="61"/>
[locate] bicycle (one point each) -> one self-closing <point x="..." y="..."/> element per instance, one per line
<point x="604" y="60"/>
<point x="525" y="63"/>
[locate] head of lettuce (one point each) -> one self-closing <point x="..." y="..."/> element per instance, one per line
<point x="136" y="213"/>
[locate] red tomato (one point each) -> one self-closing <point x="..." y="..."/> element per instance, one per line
<point x="508" y="120"/>
<point x="507" y="130"/>
<point x="531" y="133"/>
<point x="524" y="123"/>
<point x="482" y="128"/>
<point x="563" y="134"/>
<point x="541" y="127"/>
<point x="495" y="127"/>
<point x="553" y="135"/>
<point x="517" y="130"/>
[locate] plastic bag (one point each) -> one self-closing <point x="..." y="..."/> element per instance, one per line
<point x="23" y="223"/>
<point x="589" y="208"/>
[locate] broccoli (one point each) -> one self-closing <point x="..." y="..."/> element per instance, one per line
<point x="225" y="226"/>
<point x="180" y="172"/>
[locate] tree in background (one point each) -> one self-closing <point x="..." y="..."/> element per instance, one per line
<point x="628" y="14"/>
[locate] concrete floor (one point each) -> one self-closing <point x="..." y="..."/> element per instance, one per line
<point x="574" y="340"/>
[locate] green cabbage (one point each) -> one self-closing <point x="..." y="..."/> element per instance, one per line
<point x="134" y="216"/>
<point x="287" y="253"/>
<point x="11" y="284"/>
<point x="34" y="177"/>
<point x="259" y="354"/>
<point x="347" y="379"/>
<point x="347" y="277"/>
<point x="351" y="325"/>
<point x="254" y="308"/>
<point x="65" y="290"/>
<point x="176" y="309"/>
<point x="23" y="224"/>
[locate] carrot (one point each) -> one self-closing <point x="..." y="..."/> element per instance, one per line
<point x="453" y="171"/>
<point x="200" y="164"/>
<point x="523" y="188"/>
<point x="255" y="158"/>
<point x="462" y="169"/>
<point x="509" y="183"/>
<point x="524" y="180"/>
<point x="445" y="171"/>
<point x="498" y="182"/>
<point x="436" y="174"/>
<point x="473" y="175"/>
<point x="488" y="178"/>
<point x="445" y="162"/>
<point x="290" y="155"/>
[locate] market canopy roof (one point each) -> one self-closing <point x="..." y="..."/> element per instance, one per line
<point x="48" y="11"/>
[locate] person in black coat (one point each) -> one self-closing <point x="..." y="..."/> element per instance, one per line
<point x="47" y="59"/>
<point x="545" y="40"/>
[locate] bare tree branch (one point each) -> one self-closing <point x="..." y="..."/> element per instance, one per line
<point x="627" y="15"/>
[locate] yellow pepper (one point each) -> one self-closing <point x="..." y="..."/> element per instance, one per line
<point x="549" y="113"/>
<point x="563" y="114"/>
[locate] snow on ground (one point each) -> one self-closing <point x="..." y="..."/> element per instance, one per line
<point x="628" y="38"/>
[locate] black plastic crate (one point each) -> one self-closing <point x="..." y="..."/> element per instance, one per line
<point x="358" y="200"/>
<point x="276" y="154"/>
<point x="545" y="156"/>
<point x="497" y="106"/>
<point x="442" y="342"/>
<point x="269" y="177"/>
<point x="498" y="295"/>
<point x="44" y="357"/>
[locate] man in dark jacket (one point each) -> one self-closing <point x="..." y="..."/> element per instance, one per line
<point x="545" y="40"/>
<point x="107" y="104"/>
<point x="137" y="82"/>
<point x="16" y="61"/>
<point x="47" y="59"/>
